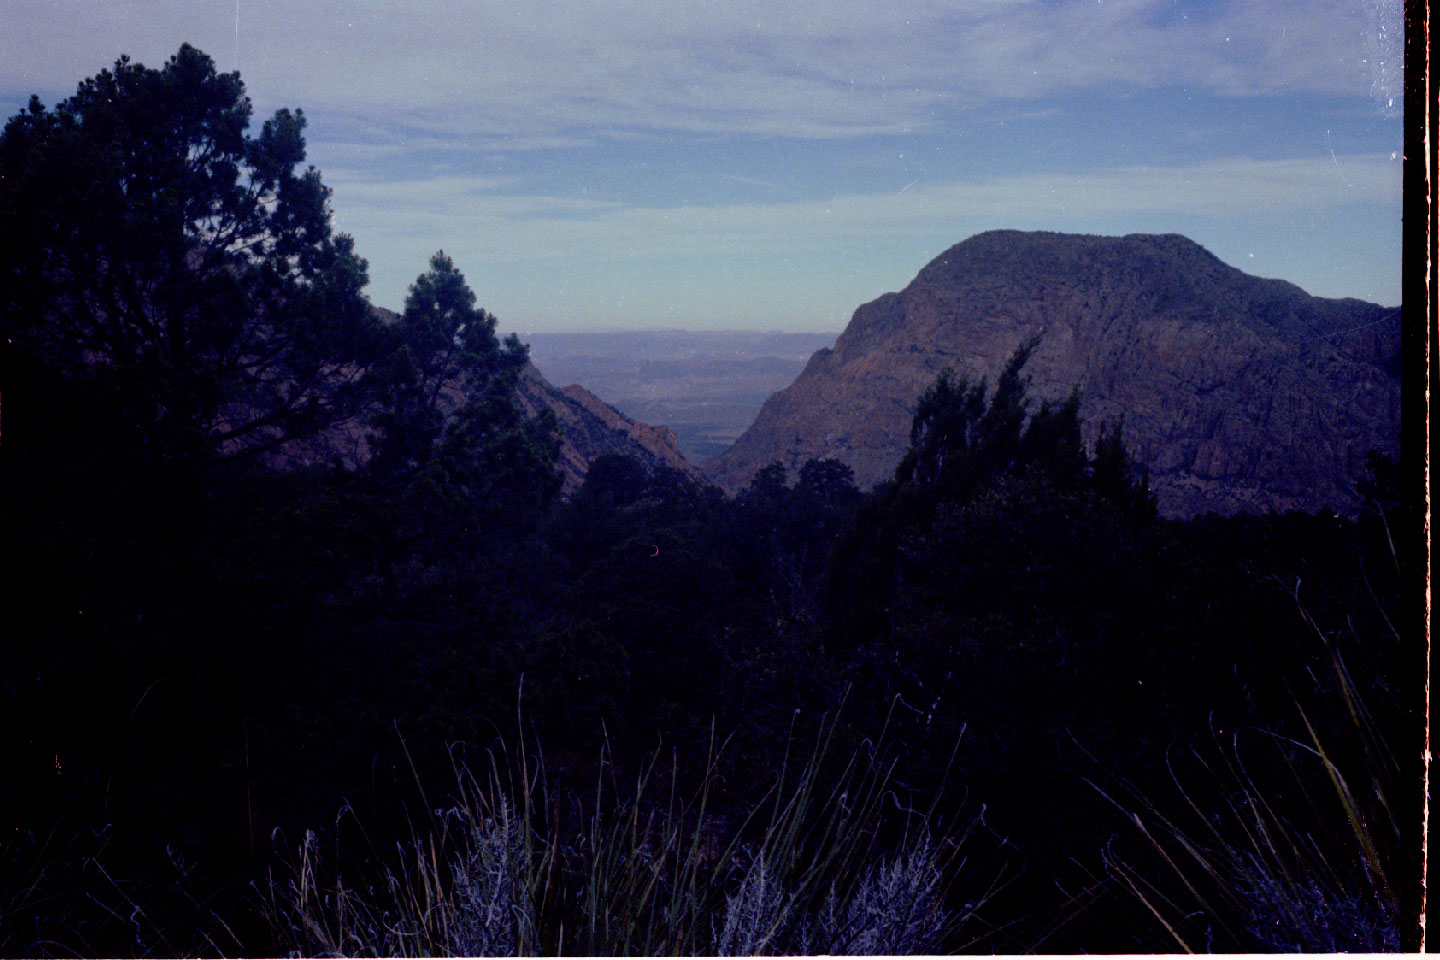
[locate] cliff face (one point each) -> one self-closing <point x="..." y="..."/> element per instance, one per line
<point x="1238" y="393"/>
<point x="591" y="428"/>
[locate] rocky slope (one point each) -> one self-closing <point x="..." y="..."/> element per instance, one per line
<point x="591" y="428"/>
<point x="1239" y="393"/>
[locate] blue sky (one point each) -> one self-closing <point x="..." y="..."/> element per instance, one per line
<point x="655" y="163"/>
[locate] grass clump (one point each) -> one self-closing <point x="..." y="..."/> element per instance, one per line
<point x="831" y="860"/>
<point x="895" y="908"/>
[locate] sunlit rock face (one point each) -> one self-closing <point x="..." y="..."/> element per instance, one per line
<point x="1237" y="392"/>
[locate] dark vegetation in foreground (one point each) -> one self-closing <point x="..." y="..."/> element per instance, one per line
<point x="417" y="704"/>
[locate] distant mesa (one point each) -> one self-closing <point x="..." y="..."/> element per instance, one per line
<point x="1239" y="393"/>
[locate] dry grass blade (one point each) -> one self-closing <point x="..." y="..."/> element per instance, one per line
<point x="502" y="872"/>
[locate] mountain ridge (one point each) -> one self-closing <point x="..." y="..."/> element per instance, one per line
<point x="1239" y="393"/>
<point x="591" y="428"/>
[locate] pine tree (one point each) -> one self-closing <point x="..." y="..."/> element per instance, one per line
<point x="452" y="444"/>
<point x="169" y="267"/>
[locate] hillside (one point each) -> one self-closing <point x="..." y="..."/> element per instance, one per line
<point x="589" y="428"/>
<point x="1238" y="393"/>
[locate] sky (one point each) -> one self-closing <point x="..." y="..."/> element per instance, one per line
<point x="761" y="165"/>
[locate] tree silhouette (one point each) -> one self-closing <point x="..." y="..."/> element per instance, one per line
<point x="452" y="447"/>
<point x="171" y="267"/>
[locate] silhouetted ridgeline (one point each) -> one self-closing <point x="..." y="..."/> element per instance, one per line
<point x="589" y="428"/>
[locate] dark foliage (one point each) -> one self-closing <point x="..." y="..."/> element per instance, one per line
<point x="174" y="269"/>
<point x="211" y="642"/>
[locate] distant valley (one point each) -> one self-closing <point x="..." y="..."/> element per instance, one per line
<point x="708" y="386"/>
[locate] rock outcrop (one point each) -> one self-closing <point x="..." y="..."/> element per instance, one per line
<point x="1239" y="393"/>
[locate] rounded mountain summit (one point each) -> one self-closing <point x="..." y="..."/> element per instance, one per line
<point x="1238" y="393"/>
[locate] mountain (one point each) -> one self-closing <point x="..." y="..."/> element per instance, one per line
<point x="591" y="428"/>
<point x="1238" y="393"/>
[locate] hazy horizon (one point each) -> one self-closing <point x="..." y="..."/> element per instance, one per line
<point x="703" y="167"/>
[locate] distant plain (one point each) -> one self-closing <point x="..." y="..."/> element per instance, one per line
<point x="707" y="385"/>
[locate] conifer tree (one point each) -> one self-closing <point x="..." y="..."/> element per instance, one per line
<point x="173" y="268"/>
<point x="451" y="439"/>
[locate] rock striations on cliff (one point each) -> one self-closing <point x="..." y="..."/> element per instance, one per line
<point x="1238" y="393"/>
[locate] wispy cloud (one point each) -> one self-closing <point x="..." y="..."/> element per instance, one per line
<point x="552" y="144"/>
<point x="560" y="70"/>
<point x="499" y="227"/>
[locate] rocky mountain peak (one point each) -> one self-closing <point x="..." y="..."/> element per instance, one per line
<point x="1238" y="392"/>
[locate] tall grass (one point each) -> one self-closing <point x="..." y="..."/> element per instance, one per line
<point x="1283" y="843"/>
<point x="830" y="860"/>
